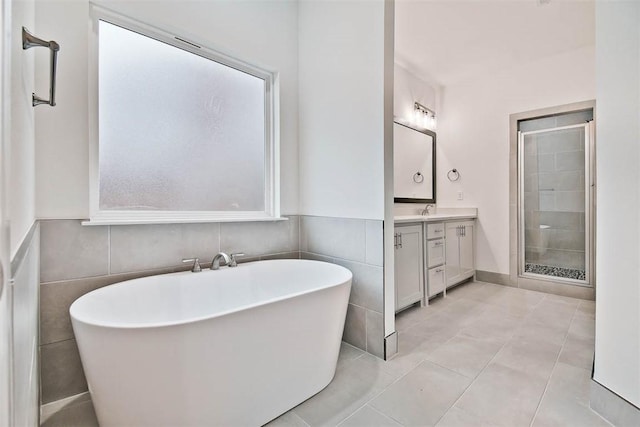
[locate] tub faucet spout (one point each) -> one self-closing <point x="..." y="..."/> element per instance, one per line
<point x="215" y="264"/>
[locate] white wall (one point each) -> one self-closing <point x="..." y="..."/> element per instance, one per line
<point x="341" y="127"/>
<point x="22" y="151"/>
<point x="409" y="88"/>
<point x="259" y="32"/>
<point x="5" y="296"/>
<point x="617" y="359"/>
<point x="19" y="299"/>
<point x="473" y="137"/>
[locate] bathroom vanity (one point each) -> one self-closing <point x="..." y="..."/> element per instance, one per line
<point x="432" y="253"/>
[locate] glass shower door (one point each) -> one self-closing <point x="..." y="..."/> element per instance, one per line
<point x="555" y="203"/>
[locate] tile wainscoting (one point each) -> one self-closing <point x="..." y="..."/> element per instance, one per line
<point x="357" y="245"/>
<point x="77" y="259"/>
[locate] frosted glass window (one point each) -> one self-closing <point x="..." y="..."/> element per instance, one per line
<point x="177" y="131"/>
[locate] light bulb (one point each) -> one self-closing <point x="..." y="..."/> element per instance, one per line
<point x="416" y="116"/>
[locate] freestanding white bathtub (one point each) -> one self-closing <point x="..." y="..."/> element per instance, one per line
<point x="232" y="347"/>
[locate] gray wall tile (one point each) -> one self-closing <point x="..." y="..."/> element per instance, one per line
<point x="374" y="243"/>
<point x="562" y="181"/>
<point x="336" y="237"/>
<point x="61" y="371"/>
<point x="375" y="333"/>
<point x="315" y="257"/>
<point x="572" y="240"/>
<point x="569" y="201"/>
<point x="570" y="161"/>
<point x="546" y="163"/>
<point x="563" y="258"/>
<point x="547" y="201"/>
<point x="57" y="297"/>
<point x="260" y="238"/>
<point x="70" y="250"/>
<point x="563" y="220"/>
<point x="531" y="182"/>
<point x="366" y="286"/>
<point x="355" y="327"/>
<point x="145" y="247"/>
<point x="282" y="255"/>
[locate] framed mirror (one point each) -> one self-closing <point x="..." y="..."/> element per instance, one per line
<point x="414" y="164"/>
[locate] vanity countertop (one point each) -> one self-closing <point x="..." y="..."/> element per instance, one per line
<point x="443" y="215"/>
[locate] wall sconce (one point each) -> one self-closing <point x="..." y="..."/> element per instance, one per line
<point x="423" y="116"/>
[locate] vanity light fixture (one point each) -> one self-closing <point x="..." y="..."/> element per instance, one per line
<point x="424" y="116"/>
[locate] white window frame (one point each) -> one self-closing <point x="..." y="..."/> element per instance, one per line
<point x="272" y="167"/>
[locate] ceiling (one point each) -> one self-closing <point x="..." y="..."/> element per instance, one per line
<point x="448" y="41"/>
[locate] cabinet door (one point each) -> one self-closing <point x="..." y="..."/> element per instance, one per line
<point x="409" y="280"/>
<point x="467" y="259"/>
<point x="452" y="252"/>
<point x="435" y="252"/>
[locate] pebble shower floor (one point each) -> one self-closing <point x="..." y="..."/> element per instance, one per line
<point x="549" y="270"/>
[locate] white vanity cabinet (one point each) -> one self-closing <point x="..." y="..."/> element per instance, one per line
<point x="460" y="259"/>
<point x="409" y="266"/>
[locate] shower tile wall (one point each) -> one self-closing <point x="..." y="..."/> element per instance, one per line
<point x="554" y="199"/>
<point x="76" y="259"/>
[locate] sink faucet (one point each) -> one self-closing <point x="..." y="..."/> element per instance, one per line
<point x="426" y="210"/>
<point x="215" y="264"/>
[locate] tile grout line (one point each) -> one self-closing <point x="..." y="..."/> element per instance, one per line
<point x="489" y="363"/>
<point x="385" y="389"/>
<point x="373" y="409"/>
<point x="414" y="368"/>
<point x="372" y="398"/>
<point x="555" y="365"/>
<point x="292" y="411"/>
<point x="333" y="257"/>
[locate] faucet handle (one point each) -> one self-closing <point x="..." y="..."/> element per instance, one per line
<point x="234" y="261"/>
<point x="196" y="264"/>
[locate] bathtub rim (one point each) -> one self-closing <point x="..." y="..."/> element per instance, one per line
<point x="238" y="309"/>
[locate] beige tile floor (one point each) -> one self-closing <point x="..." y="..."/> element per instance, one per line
<point x="487" y="355"/>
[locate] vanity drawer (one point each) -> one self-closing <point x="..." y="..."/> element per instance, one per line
<point x="435" y="230"/>
<point x="435" y="252"/>
<point x="436" y="280"/>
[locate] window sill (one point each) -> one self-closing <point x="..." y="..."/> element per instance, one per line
<point x="178" y="220"/>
